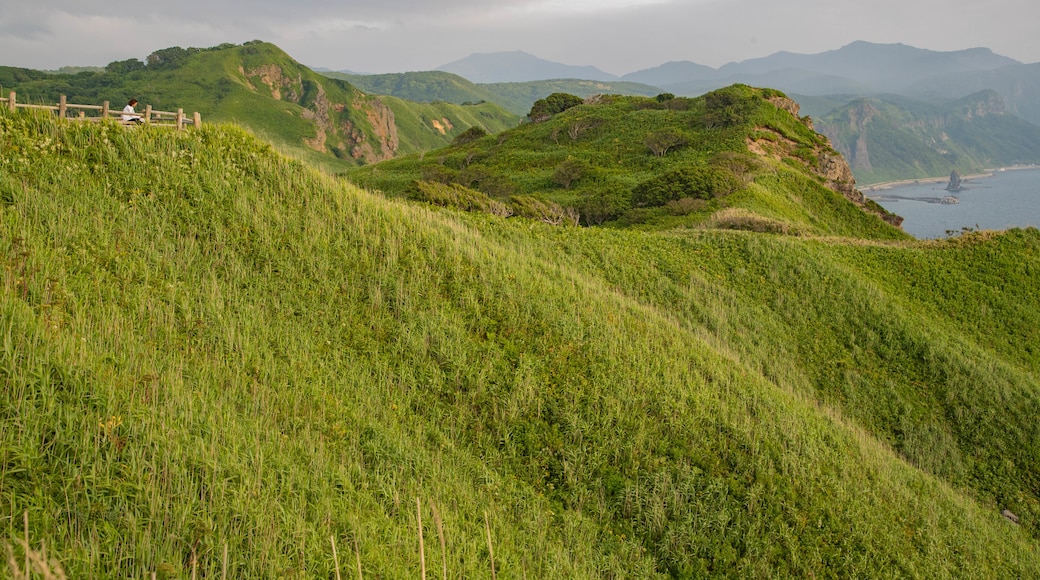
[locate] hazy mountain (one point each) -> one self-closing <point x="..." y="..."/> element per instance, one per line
<point x="1019" y="85"/>
<point x="885" y="67"/>
<point x="790" y="80"/>
<point x="673" y="72"/>
<point x="860" y="67"/>
<point x="518" y="66"/>
<point x="893" y="137"/>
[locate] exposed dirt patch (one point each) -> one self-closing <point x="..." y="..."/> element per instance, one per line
<point x="443" y="125"/>
<point x="272" y="76"/>
<point x="775" y="145"/>
<point x="385" y="127"/>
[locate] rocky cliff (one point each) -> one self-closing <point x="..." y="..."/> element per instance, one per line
<point x="353" y="126"/>
<point x="893" y="138"/>
<point x="826" y="162"/>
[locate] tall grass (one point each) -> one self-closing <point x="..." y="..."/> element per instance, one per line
<point x="210" y="350"/>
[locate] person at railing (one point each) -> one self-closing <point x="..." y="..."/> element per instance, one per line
<point x="129" y="113"/>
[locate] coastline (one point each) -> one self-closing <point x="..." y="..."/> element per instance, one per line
<point x="922" y="180"/>
<point x="926" y="180"/>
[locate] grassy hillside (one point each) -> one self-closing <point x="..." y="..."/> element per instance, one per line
<point x="894" y="138"/>
<point x="738" y="157"/>
<point x="323" y="121"/>
<point x="517" y="97"/>
<point x="420" y="87"/>
<point x="216" y="359"/>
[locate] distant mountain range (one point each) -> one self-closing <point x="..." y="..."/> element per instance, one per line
<point x="860" y="68"/>
<point x="881" y="67"/>
<point x="891" y="137"/>
<point x="896" y="111"/>
<point x="518" y="67"/>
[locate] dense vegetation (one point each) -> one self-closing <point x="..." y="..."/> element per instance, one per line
<point x="218" y="360"/>
<point x="907" y="139"/>
<point x="656" y="162"/>
<point x="323" y="121"/>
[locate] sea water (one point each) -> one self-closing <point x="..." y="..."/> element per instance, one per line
<point x="1008" y="199"/>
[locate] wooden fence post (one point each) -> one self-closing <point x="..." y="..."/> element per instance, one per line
<point x="197" y="120"/>
<point x="180" y="119"/>
<point x="11" y="102"/>
<point x="104" y="110"/>
<point x="148" y="114"/>
<point x="61" y="107"/>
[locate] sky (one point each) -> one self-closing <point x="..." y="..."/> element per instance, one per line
<point x="617" y="36"/>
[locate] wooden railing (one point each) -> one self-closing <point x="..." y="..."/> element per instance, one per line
<point x="149" y="116"/>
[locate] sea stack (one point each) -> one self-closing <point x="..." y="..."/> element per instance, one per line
<point x="955" y="182"/>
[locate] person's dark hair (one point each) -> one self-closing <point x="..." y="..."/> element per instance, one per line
<point x="132" y="102"/>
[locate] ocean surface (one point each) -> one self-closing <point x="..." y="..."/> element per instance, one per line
<point x="1009" y="199"/>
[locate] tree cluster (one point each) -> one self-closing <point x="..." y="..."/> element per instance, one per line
<point x="554" y="104"/>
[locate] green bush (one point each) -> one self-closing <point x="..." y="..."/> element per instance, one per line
<point x="544" y="211"/>
<point x="456" y="196"/>
<point x="569" y="171"/>
<point x="696" y="181"/>
<point x="554" y="104"/>
<point x="470" y="135"/>
<point x="604" y="206"/>
<point x="730" y="106"/>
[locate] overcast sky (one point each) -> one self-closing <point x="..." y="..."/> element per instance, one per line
<point x="618" y="36"/>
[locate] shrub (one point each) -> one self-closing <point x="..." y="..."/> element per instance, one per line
<point x="569" y="171"/>
<point x="457" y="196"/>
<point x="439" y="173"/>
<point x="124" y="66"/>
<point x="661" y="141"/>
<point x="742" y="165"/>
<point x="169" y="58"/>
<point x="686" y="205"/>
<point x="729" y="106"/>
<point x="696" y="182"/>
<point x="553" y="104"/>
<point x="470" y="135"/>
<point x="604" y="206"/>
<point x="544" y="211"/>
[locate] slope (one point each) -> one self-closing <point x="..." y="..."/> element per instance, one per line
<point x="738" y="157"/>
<point x="210" y="350"/>
<point x="257" y="85"/>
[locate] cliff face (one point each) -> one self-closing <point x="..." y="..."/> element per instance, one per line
<point x="830" y="165"/>
<point x="363" y="129"/>
<point x="892" y="138"/>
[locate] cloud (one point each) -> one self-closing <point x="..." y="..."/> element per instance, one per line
<point x="618" y="36"/>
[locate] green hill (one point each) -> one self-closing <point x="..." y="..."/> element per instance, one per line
<point x="321" y="120"/>
<point x="738" y="157"/>
<point x="517" y="97"/>
<point x="420" y="87"/>
<point x="217" y="361"/>
<point x="893" y="138"/>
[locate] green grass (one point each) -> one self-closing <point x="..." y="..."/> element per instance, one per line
<point x="260" y="87"/>
<point x="209" y="346"/>
<point x="609" y="139"/>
